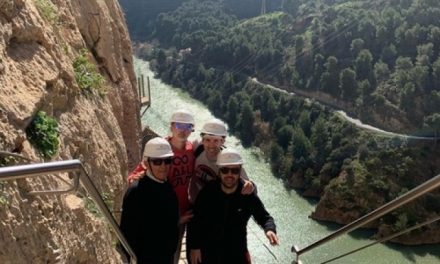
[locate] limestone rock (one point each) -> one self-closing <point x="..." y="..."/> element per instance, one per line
<point x="36" y="73"/>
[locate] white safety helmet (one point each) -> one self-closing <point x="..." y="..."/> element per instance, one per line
<point x="215" y="127"/>
<point x="182" y="116"/>
<point x="229" y="157"/>
<point x="157" y="148"/>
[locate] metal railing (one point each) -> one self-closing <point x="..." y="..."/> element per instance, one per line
<point x="145" y="101"/>
<point x="15" y="155"/>
<point x="41" y="169"/>
<point x="398" y="202"/>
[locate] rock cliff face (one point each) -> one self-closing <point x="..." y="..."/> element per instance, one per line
<point x="39" y="40"/>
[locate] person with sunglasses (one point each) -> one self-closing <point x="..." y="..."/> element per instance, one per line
<point x="182" y="167"/>
<point x="213" y="137"/>
<point x="150" y="213"/>
<point x="217" y="232"/>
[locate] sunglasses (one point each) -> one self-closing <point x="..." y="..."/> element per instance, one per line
<point x="183" y="126"/>
<point x="158" y="162"/>
<point x="226" y="170"/>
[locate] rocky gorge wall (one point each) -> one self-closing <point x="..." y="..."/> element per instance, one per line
<point x="39" y="40"/>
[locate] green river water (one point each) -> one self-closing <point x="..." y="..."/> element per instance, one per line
<point x="289" y="209"/>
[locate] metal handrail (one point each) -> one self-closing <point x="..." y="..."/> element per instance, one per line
<point x="15" y="155"/>
<point x="72" y="188"/>
<point x="386" y="208"/>
<point x="35" y="170"/>
<point x="141" y="91"/>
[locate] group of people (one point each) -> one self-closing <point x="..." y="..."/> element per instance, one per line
<point x="199" y="186"/>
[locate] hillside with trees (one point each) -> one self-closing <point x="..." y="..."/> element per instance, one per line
<point x="378" y="60"/>
<point x="372" y="57"/>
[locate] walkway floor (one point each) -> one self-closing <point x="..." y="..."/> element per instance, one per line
<point x="182" y="259"/>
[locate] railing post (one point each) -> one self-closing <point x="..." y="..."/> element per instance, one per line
<point x="149" y="91"/>
<point x="143" y="85"/>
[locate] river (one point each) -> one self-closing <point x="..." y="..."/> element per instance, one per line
<point x="288" y="208"/>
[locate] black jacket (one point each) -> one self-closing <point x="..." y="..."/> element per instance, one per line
<point x="219" y="224"/>
<point x="149" y="220"/>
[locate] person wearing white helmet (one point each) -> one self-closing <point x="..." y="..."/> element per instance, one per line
<point x="221" y="213"/>
<point x="182" y="170"/>
<point x="213" y="136"/>
<point x="150" y="213"/>
<point x="182" y="167"/>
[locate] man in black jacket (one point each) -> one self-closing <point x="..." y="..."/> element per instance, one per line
<point x="150" y="216"/>
<point x="221" y="213"/>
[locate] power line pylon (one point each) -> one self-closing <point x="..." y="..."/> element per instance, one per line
<point x="263" y="7"/>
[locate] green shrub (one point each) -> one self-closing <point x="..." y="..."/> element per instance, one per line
<point x="379" y="184"/>
<point x="90" y="205"/>
<point x="43" y="134"/>
<point x="401" y="222"/>
<point x="66" y="48"/>
<point x="86" y="74"/>
<point x="5" y="161"/>
<point x="4" y="197"/>
<point x="47" y="10"/>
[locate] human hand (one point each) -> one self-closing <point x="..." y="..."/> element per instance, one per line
<point x="135" y="177"/>
<point x="186" y="217"/>
<point x="273" y="238"/>
<point x="248" y="187"/>
<point x="196" y="256"/>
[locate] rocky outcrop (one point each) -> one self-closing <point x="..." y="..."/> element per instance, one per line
<point x="344" y="203"/>
<point x="39" y="40"/>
